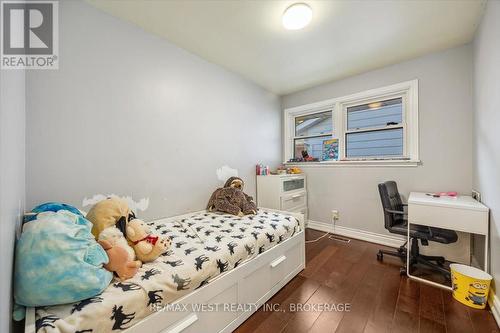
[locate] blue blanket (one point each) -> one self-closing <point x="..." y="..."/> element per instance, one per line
<point x="58" y="260"/>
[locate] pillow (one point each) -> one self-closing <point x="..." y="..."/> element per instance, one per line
<point x="50" y="207"/>
<point x="58" y="261"/>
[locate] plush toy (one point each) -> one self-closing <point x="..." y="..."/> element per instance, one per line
<point x="114" y="236"/>
<point x="108" y="213"/>
<point x="231" y="199"/>
<point x="119" y="261"/>
<point x="147" y="246"/>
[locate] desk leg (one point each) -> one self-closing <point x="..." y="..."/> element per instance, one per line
<point x="408" y="245"/>
<point x="486" y="259"/>
<point x="416" y="278"/>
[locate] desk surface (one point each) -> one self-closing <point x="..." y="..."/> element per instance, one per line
<point x="460" y="202"/>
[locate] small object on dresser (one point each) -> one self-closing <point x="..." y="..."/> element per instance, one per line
<point x="262" y="170"/>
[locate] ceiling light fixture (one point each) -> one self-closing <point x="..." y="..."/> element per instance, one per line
<point x="297" y="16"/>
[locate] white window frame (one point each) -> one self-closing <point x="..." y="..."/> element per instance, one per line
<point x="407" y="90"/>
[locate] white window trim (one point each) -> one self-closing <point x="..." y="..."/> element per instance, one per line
<point x="409" y="91"/>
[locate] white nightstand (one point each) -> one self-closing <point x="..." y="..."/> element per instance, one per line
<point x="283" y="192"/>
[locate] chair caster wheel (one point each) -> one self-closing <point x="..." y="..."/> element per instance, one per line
<point x="402" y="271"/>
<point x="380" y="256"/>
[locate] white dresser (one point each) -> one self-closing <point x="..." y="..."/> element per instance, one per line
<point x="283" y="192"/>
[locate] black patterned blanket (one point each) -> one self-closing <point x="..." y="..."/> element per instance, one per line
<point x="204" y="245"/>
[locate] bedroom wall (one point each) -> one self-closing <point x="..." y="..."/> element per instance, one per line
<point x="131" y="114"/>
<point x="486" y="126"/>
<point x="445" y="124"/>
<point x="12" y="180"/>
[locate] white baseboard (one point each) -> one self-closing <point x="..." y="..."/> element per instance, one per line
<point x="368" y="236"/>
<point x="494" y="303"/>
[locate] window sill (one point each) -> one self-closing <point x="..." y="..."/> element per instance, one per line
<point x="366" y="163"/>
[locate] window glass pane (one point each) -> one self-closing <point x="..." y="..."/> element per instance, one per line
<point x="376" y="114"/>
<point x="375" y="143"/>
<point x="314" y="124"/>
<point x="313" y="146"/>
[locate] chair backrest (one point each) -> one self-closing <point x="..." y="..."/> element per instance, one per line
<point x="391" y="199"/>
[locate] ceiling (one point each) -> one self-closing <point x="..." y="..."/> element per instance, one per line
<point x="344" y="38"/>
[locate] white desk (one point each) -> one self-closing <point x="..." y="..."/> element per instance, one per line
<point x="461" y="213"/>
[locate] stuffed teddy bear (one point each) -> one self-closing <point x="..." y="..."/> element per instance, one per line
<point x="108" y="213"/>
<point x="147" y="247"/>
<point x="231" y="199"/>
<point x="114" y="236"/>
<point x="119" y="261"/>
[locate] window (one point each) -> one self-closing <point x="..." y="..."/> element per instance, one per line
<point x="375" y="129"/>
<point x="376" y="125"/>
<point x="311" y="131"/>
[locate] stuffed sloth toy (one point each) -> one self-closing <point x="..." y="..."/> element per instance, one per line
<point x="231" y="199"/>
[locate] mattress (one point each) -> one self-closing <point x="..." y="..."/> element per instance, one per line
<point x="204" y="246"/>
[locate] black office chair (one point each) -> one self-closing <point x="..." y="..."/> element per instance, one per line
<point x="396" y="221"/>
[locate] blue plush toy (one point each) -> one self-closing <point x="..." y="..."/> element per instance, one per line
<point x="58" y="260"/>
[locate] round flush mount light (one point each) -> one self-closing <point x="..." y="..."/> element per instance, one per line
<point x="297" y="16"/>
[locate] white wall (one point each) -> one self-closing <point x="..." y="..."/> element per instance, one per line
<point x="12" y="183"/>
<point x="487" y="125"/>
<point x="131" y="114"/>
<point x="445" y="117"/>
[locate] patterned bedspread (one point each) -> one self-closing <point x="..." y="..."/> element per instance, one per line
<point x="204" y="245"/>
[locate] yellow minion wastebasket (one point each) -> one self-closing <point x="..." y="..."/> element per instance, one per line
<point x="470" y="285"/>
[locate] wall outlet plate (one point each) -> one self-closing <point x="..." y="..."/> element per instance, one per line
<point x="335" y="214"/>
<point x="476" y="195"/>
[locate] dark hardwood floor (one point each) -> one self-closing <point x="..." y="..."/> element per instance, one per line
<point x="381" y="300"/>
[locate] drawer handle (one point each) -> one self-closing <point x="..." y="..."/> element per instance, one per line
<point x="188" y="321"/>
<point x="292" y="197"/>
<point x="278" y="261"/>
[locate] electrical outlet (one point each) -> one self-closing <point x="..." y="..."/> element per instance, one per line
<point x="476" y="195"/>
<point x="335" y="214"/>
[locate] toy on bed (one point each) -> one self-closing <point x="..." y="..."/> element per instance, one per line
<point x="147" y="246"/>
<point x="58" y="260"/>
<point x="119" y="261"/>
<point x="231" y="199"/>
<point x="121" y="255"/>
<point x="107" y="213"/>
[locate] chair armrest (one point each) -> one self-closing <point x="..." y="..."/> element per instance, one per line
<point x="398" y="212"/>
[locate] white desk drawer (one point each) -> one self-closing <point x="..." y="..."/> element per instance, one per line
<point x="471" y="221"/>
<point x="294" y="200"/>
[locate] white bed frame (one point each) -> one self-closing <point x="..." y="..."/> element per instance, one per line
<point x="251" y="284"/>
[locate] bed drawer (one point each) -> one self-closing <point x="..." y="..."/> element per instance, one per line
<point x="281" y="263"/>
<point x="220" y="309"/>
<point x="288" y="261"/>
<point x="294" y="200"/>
